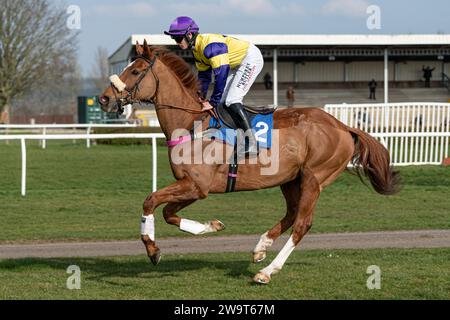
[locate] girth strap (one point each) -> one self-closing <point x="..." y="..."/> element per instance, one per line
<point x="232" y="172"/>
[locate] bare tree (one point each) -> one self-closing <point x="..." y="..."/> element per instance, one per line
<point x="34" y="39"/>
<point x="100" y="69"/>
<point x="56" y="93"/>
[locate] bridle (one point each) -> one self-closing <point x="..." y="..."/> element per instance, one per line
<point x="131" y="93"/>
<point x="129" y="99"/>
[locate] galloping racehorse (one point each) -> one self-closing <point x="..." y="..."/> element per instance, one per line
<point x="313" y="149"/>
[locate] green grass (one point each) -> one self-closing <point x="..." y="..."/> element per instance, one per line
<point x="74" y="193"/>
<point x="322" y="274"/>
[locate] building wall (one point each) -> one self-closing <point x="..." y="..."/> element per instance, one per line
<point x="321" y="71"/>
<point x="357" y="71"/>
<point x="447" y="69"/>
<point x="285" y="71"/>
<point x="412" y="70"/>
<point x="117" y="68"/>
<point x="333" y="71"/>
<point x="368" y="70"/>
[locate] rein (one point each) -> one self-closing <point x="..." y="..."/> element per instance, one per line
<point x="120" y="102"/>
<point x="129" y="99"/>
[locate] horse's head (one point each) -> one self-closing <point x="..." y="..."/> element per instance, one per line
<point x="136" y="83"/>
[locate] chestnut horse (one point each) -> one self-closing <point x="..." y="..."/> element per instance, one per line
<point x="313" y="149"/>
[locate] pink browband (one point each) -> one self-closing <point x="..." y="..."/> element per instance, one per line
<point x="180" y="140"/>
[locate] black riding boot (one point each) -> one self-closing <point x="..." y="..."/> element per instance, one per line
<point x="236" y="110"/>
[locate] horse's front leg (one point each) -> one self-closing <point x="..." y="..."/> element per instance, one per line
<point x="182" y="191"/>
<point x="190" y="226"/>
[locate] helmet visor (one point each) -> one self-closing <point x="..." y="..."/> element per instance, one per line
<point x="177" y="38"/>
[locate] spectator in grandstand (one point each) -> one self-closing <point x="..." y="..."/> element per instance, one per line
<point x="427" y="74"/>
<point x="290" y="96"/>
<point x="268" y="81"/>
<point x="372" y="87"/>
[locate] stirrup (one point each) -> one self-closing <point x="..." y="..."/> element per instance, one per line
<point x="249" y="147"/>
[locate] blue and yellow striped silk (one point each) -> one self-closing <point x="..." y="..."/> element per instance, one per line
<point x="217" y="53"/>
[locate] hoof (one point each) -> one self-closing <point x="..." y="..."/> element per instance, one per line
<point x="218" y="225"/>
<point x="259" y="256"/>
<point x="156" y="257"/>
<point x="261" y="278"/>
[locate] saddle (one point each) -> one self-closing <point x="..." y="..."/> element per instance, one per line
<point x="252" y="111"/>
<point x="263" y="114"/>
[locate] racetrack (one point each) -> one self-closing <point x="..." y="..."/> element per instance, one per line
<point x="237" y="243"/>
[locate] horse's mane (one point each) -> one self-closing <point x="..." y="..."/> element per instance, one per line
<point x="180" y="67"/>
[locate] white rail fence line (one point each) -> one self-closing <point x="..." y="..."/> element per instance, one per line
<point x="23" y="139"/>
<point x="414" y="133"/>
<point x="46" y="127"/>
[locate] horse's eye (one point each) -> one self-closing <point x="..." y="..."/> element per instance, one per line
<point x="135" y="72"/>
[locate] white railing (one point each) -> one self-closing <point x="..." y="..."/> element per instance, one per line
<point x="45" y="129"/>
<point x="414" y="133"/>
<point x="23" y="139"/>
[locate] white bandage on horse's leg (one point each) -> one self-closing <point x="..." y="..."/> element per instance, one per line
<point x="264" y="243"/>
<point x="115" y="80"/>
<point x="148" y="226"/>
<point x="193" y="227"/>
<point x="280" y="259"/>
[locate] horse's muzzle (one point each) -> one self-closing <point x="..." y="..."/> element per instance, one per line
<point x="103" y="100"/>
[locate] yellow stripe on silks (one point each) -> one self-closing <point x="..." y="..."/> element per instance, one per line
<point x="201" y="66"/>
<point x="220" y="60"/>
<point x="237" y="49"/>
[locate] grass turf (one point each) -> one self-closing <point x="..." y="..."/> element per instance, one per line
<point x="321" y="274"/>
<point x="74" y="193"/>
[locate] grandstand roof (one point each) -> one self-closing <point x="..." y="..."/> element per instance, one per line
<point x="321" y="40"/>
<point x="299" y="41"/>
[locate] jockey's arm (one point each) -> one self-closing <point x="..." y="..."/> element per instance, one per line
<point x="204" y="76"/>
<point x="220" y="76"/>
<point x="217" y="54"/>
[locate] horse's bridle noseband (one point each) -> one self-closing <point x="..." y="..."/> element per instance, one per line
<point x="129" y="99"/>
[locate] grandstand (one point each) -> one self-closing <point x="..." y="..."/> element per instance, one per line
<point x="319" y="97"/>
<point x="335" y="68"/>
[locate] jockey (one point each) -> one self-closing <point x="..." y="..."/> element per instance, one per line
<point x="235" y="63"/>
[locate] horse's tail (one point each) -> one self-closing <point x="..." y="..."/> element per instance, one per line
<point x="372" y="160"/>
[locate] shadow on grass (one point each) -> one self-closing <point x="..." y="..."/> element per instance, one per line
<point x="106" y="269"/>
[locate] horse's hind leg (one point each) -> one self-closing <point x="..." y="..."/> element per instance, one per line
<point x="194" y="227"/>
<point x="310" y="191"/>
<point x="291" y="192"/>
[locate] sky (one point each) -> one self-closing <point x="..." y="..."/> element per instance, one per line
<point x="109" y="23"/>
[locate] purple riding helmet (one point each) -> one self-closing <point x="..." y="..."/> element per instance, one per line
<point x="181" y="26"/>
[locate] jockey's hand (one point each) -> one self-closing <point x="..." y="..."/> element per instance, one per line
<point x="201" y="99"/>
<point x="206" y="105"/>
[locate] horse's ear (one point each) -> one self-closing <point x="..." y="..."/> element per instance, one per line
<point x="139" y="49"/>
<point x="147" y="51"/>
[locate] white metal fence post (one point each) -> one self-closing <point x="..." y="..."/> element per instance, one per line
<point x="275" y="76"/>
<point x="44" y="142"/>
<point x="386" y="75"/>
<point x="24" y="166"/>
<point x="88" y="141"/>
<point x="410" y="131"/>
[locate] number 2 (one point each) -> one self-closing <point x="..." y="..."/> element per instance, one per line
<point x="261" y="132"/>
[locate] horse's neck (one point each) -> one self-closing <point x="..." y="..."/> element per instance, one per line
<point x="172" y="93"/>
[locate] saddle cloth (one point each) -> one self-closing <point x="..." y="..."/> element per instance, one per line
<point x="261" y="120"/>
